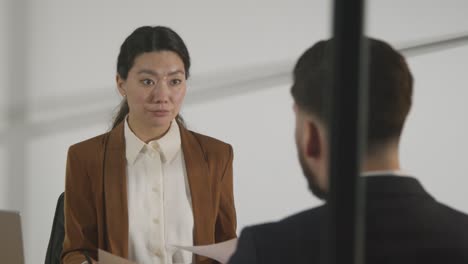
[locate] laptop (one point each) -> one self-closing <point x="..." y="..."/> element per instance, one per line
<point x="11" y="239"/>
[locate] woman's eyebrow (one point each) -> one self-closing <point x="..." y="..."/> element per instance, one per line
<point x="151" y="72"/>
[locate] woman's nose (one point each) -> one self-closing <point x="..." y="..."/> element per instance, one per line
<point x="160" y="92"/>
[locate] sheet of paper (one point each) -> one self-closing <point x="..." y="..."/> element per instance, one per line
<point x="220" y="252"/>
<point x="107" y="258"/>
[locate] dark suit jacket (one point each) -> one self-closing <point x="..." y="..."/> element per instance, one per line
<point x="95" y="205"/>
<point x="404" y="224"/>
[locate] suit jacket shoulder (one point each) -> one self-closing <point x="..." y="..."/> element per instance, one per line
<point x="215" y="152"/>
<point x="294" y="239"/>
<point x="404" y="224"/>
<point x="89" y="148"/>
<point x="211" y="146"/>
<point x="449" y="225"/>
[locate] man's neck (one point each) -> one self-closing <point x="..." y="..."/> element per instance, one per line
<point x="386" y="160"/>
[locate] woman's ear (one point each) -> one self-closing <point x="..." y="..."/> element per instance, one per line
<point x="121" y="85"/>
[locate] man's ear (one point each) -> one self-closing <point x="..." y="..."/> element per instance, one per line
<point x="313" y="142"/>
<point x="120" y="85"/>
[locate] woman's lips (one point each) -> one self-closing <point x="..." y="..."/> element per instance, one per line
<point x="160" y="113"/>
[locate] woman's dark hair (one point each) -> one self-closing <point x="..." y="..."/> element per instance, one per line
<point x="148" y="39"/>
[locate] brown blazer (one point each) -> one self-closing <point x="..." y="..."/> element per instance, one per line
<point x="95" y="206"/>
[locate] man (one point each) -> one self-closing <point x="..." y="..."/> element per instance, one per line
<point x="404" y="224"/>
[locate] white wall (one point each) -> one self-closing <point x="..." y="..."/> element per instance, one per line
<point x="3" y="82"/>
<point x="260" y="126"/>
<point x="72" y="48"/>
<point x="434" y="146"/>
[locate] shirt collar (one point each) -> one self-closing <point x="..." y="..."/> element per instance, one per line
<point x="170" y="143"/>
<point x="167" y="146"/>
<point x="133" y="145"/>
<point x="383" y="173"/>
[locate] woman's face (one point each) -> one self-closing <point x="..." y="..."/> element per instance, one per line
<point x="155" y="88"/>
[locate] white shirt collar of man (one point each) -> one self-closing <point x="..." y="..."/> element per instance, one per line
<point x="384" y="173"/>
<point x="167" y="146"/>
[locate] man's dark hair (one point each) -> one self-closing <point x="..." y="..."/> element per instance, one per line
<point x="390" y="87"/>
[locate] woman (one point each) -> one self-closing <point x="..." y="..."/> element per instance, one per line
<point x="149" y="183"/>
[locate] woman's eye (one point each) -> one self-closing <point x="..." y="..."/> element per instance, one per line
<point x="147" y="82"/>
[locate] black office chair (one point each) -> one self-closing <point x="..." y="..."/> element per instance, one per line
<point x="54" y="250"/>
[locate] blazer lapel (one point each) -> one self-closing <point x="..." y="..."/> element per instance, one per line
<point x="200" y="187"/>
<point x="115" y="193"/>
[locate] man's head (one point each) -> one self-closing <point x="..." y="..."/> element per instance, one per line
<point x="390" y="91"/>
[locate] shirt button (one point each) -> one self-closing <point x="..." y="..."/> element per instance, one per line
<point x="155" y="190"/>
<point x="155" y="221"/>
<point x="158" y="253"/>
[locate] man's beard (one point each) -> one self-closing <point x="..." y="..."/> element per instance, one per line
<point x="312" y="179"/>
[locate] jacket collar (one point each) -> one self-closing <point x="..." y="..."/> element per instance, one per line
<point x="115" y="193"/>
<point x="196" y="163"/>
<point x="384" y="185"/>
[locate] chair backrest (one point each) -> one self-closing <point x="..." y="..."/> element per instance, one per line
<point x="54" y="250"/>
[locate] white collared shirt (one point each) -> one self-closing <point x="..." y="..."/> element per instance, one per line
<point x="383" y="173"/>
<point x="159" y="201"/>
